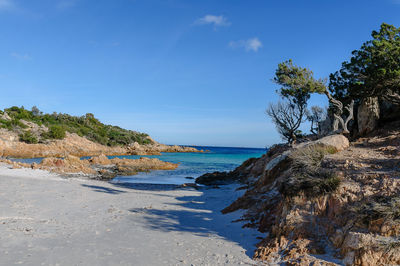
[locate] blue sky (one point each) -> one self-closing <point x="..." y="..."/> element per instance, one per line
<point x="184" y="71"/>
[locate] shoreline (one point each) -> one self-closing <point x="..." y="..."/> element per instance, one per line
<point x="48" y="219"/>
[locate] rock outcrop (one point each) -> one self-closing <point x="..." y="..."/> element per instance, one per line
<point x="74" y="145"/>
<point x="322" y="207"/>
<point x="339" y="142"/>
<point x="368" y="115"/>
<point x="98" y="167"/>
<point x="253" y="168"/>
<point x="245" y="173"/>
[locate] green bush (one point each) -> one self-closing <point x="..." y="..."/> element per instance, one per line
<point x="28" y="137"/>
<point x="56" y="132"/>
<point x="85" y="126"/>
<point x="6" y="124"/>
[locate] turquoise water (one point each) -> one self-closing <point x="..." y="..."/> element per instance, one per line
<point x="190" y="164"/>
<point x="193" y="164"/>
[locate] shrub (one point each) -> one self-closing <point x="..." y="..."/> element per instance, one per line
<point x="56" y="132"/>
<point x="306" y="175"/>
<point x="28" y="137"/>
<point x="6" y="124"/>
<point x="378" y="207"/>
<point x="85" y="126"/>
<point x="310" y="156"/>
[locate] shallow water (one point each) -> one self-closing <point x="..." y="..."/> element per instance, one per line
<point x="193" y="164"/>
<point x="190" y="164"/>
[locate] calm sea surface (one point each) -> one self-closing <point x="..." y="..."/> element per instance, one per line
<point x="190" y="164"/>
<point x="193" y="164"/>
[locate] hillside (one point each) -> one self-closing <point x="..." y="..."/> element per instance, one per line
<point x="43" y="127"/>
<point x="326" y="202"/>
<point x="29" y="134"/>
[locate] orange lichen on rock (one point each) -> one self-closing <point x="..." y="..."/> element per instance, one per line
<point x="101" y="166"/>
<point x="357" y="223"/>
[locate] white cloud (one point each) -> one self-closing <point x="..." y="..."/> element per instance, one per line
<point x="21" y="56"/>
<point x="213" y="20"/>
<point x="253" y="44"/>
<point x="6" y="4"/>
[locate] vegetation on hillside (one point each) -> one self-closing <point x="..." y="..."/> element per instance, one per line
<point x="86" y="126"/>
<point x="306" y="173"/>
<point x="373" y="70"/>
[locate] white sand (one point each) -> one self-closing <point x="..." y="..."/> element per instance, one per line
<point x="48" y="220"/>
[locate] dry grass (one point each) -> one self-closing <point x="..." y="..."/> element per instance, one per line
<point x="306" y="174"/>
<point x="377" y="208"/>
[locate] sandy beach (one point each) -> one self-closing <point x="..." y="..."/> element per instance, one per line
<point x="48" y="220"/>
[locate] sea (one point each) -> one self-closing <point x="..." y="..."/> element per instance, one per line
<point x="191" y="165"/>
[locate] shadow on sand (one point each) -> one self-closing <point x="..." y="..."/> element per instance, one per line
<point x="201" y="215"/>
<point x="104" y="189"/>
<point x="198" y="214"/>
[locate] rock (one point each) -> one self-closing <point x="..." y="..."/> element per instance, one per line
<point x="74" y="145"/>
<point x="34" y="166"/>
<point x="100" y="160"/>
<point x="368" y="115"/>
<point x="275" y="161"/>
<point x="70" y="164"/>
<point x="189" y="177"/>
<point x="246" y="173"/>
<point x="5" y="116"/>
<point x="192" y="185"/>
<point x="216" y="178"/>
<point x="339" y="142"/>
<point x="106" y="174"/>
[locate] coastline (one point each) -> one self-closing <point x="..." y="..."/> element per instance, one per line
<point x="74" y="145"/>
<point x="48" y="219"/>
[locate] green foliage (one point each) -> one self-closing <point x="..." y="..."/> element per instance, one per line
<point x="35" y="111"/>
<point x="373" y="70"/>
<point x="28" y="137"/>
<point x="306" y="174"/>
<point x="85" y="126"/>
<point x="6" y="124"/>
<point x="297" y="83"/>
<point x="55" y="132"/>
<point x="10" y="125"/>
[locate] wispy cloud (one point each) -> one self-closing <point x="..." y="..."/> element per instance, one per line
<point x="6" y="4"/>
<point x="253" y="44"/>
<point x="217" y="21"/>
<point x="65" y="4"/>
<point x="21" y="56"/>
